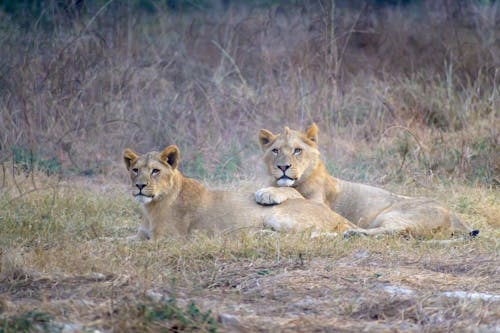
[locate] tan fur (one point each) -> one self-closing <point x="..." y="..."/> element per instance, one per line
<point x="177" y="205"/>
<point x="295" y="155"/>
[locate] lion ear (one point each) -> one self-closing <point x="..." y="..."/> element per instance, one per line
<point x="265" y="138"/>
<point x="170" y="155"/>
<point x="129" y="157"/>
<point x="312" y="133"/>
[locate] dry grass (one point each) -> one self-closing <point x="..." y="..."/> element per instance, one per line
<point x="405" y="97"/>
<point x="57" y="272"/>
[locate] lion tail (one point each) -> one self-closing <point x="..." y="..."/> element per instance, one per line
<point x="459" y="226"/>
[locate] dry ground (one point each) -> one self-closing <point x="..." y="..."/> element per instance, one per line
<point x="57" y="274"/>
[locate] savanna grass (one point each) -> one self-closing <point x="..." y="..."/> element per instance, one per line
<point x="62" y="268"/>
<point x="414" y="112"/>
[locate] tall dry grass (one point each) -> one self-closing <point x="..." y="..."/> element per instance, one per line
<point x="397" y="92"/>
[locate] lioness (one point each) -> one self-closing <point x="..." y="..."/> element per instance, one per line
<point x="293" y="160"/>
<point x="177" y="205"/>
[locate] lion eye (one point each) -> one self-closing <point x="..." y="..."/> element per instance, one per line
<point x="297" y="151"/>
<point x="155" y="172"/>
<point x="275" y="151"/>
<point x="135" y="171"/>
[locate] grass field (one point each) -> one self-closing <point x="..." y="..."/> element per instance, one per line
<point x="59" y="274"/>
<point x="406" y="98"/>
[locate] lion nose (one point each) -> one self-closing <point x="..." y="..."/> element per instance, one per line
<point x="140" y="186"/>
<point x="284" y="167"/>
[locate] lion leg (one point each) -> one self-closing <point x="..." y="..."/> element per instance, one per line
<point x="373" y="232"/>
<point x="143" y="233"/>
<point x="423" y="220"/>
<point x="276" y="195"/>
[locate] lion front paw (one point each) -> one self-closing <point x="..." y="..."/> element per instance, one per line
<point x="269" y="196"/>
<point x="142" y="234"/>
<point x="134" y="238"/>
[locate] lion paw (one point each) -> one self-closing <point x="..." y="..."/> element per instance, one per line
<point x="142" y="234"/>
<point x="134" y="238"/>
<point x="353" y="233"/>
<point x="268" y="196"/>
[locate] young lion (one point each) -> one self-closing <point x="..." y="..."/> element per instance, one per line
<point x="293" y="160"/>
<point x="177" y="205"/>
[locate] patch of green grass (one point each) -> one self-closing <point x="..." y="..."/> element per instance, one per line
<point x="229" y="164"/>
<point x="195" y="168"/>
<point x="360" y="169"/>
<point x="31" y="321"/>
<point x="464" y="204"/>
<point x="170" y="315"/>
<point x="30" y="161"/>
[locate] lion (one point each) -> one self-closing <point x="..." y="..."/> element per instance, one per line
<point x="177" y="205"/>
<point x="293" y="161"/>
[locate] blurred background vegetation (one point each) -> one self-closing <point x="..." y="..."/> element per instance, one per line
<point x="403" y="91"/>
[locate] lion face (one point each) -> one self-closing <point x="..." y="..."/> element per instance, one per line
<point x="152" y="174"/>
<point x="291" y="156"/>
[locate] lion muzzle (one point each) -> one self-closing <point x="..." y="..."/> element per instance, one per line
<point x="285" y="181"/>
<point x="142" y="198"/>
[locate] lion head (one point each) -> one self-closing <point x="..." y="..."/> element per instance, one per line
<point x="153" y="174"/>
<point x="291" y="156"/>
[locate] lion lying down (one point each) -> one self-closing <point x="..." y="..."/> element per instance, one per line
<point x="293" y="160"/>
<point x="177" y="205"/>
